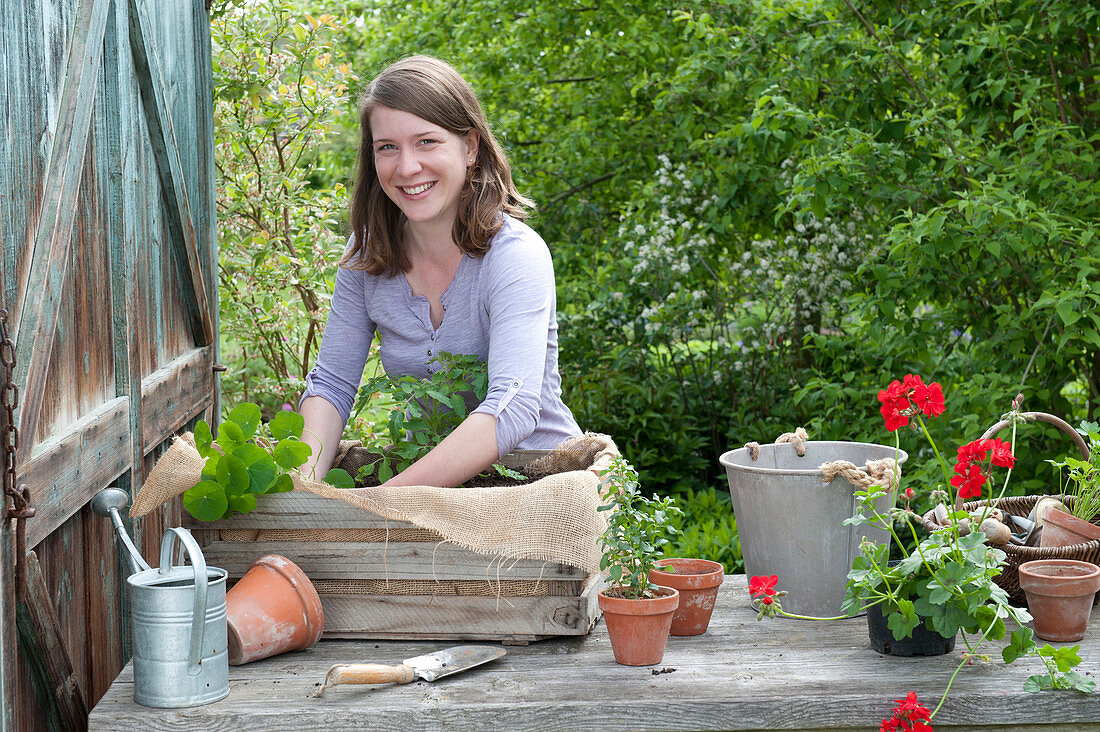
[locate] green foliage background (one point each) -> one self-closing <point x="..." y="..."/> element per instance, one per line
<point x="761" y="212"/>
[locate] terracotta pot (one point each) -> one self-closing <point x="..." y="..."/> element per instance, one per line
<point x="639" y="628"/>
<point x="697" y="581"/>
<point x="1063" y="529"/>
<point x="1059" y="596"/>
<point x="272" y="609"/>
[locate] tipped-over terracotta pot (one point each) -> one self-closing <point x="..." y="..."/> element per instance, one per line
<point x="273" y="609"/>
<point x="697" y="581"/>
<point x="638" y="628"/>
<point x="1059" y="596"/>
<point x="1065" y="529"/>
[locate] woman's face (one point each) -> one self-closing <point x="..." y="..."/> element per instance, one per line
<point x="421" y="166"/>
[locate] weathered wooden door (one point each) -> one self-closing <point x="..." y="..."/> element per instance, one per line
<point x="108" y="271"/>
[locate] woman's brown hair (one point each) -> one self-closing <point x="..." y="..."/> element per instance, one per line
<point x="432" y="90"/>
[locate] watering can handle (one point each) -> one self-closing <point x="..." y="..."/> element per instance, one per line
<point x="198" y="561"/>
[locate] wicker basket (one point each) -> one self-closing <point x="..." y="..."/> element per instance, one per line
<point x="1009" y="579"/>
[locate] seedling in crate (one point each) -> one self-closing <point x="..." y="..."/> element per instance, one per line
<point x="424" y="412"/>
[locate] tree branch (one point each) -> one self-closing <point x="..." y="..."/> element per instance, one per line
<point x="578" y="188"/>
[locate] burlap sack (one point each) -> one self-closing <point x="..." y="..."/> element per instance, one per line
<point x="552" y="519"/>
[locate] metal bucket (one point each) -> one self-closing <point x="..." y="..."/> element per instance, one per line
<point x="181" y="651"/>
<point x="791" y="524"/>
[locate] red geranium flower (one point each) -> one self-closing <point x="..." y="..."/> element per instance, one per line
<point x="1002" y="454"/>
<point x="929" y="399"/>
<point x="903" y="399"/>
<point x="909" y="716"/>
<point x="894" y="403"/>
<point x="763" y="586"/>
<point x="969" y="482"/>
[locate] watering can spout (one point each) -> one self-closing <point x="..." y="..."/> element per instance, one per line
<point x="108" y="502"/>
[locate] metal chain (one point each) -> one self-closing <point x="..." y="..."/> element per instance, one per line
<point x="20" y="508"/>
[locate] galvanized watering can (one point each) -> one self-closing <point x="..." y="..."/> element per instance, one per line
<point x="181" y="651"/>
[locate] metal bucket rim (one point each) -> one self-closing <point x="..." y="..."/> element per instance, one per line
<point x="155" y="579"/>
<point x="727" y="463"/>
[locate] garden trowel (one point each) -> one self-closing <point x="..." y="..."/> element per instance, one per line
<point x="428" y="667"/>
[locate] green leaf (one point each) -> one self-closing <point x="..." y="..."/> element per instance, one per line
<point x="1021" y="643"/>
<point x="233" y="475"/>
<point x="260" y="465"/>
<point x="903" y="620"/>
<point x="230" y="436"/>
<point x="248" y="416"/>
<point x="1064" y="657"/>
<point x="204" y="438"/>
<point x="243" y="503"/>
<point x="286" y="424"/>
<point x="206" y="501"/>
<point x="1037" y="683"/>
<point x="1080" y="682"/>
<point x="339" y="478"/>
<point x="282" y="484"/>
<point x="291" y="452"/>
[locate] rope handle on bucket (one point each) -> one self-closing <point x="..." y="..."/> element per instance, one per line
<point x="879" y="472"/>
<point x="798" y="438"/>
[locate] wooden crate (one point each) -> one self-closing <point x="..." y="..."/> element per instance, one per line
<point x="355" y="578"/>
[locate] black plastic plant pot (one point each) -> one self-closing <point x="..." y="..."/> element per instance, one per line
<point x="923" y="642"/>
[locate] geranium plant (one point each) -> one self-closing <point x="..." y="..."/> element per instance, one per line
<point x="947" y="581"/>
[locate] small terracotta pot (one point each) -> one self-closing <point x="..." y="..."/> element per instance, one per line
<point x="639" y="628"/>
<point x="1063" y="529"/>
<point x="272" y="609"/>
<point x="1059" y="596"/>
<point x="697" y="581"/>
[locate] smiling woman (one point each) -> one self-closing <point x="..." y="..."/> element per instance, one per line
<point x="440" y="261"/>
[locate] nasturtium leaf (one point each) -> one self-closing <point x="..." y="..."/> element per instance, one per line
<point x="203" y="438"/>
<point x="286" y="424"/>
<point x="291" y="452"/>
<point x="339" y="478"/>
<point x="282" y="484"/>
<point x="247" y="416"/>
<point x="233" y="475"/>
<point x="230" y="436"/>
<point x="243" y="503"/>
<point x="260" y="465"/>
<point x="205" y="501"/>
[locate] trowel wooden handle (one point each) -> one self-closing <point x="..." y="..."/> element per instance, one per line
<point x="366" y="673"/>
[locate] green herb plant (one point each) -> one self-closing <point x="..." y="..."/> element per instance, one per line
<point x="424" y="412"/>
<point x="1083" y="476"/>
<point x="638" y="527"/>
<point x="249" y="459"/>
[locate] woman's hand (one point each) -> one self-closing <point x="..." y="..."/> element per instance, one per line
<point x="468" y="450"/>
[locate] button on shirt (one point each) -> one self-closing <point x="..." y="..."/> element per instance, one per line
<point x="501" y="307"/>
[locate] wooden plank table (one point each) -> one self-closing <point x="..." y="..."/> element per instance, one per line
<point x="740" y="675"/>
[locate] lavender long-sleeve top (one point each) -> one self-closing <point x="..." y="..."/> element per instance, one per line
<point x="501" y="307"/>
